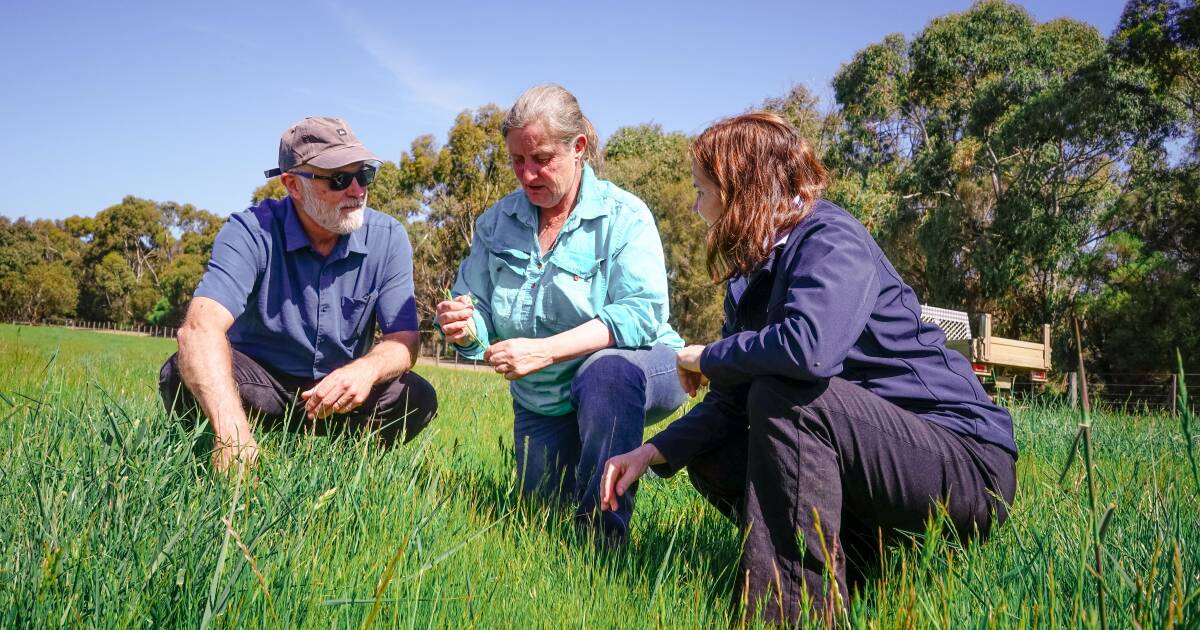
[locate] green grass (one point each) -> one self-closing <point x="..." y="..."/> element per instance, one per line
<point x="107" y="521"/>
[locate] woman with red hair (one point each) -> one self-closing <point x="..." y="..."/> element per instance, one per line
<point x="836" y="417"/>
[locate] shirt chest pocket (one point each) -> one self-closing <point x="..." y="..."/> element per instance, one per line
<point x="356" y="314"/>
<point x="506" y="269"/>
<point x="576" y="288"/>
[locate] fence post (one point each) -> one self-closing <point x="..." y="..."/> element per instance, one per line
<point x="1174" y="394"/>
<point x="1073" y="388"/>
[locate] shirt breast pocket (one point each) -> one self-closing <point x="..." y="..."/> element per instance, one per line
<point x="573" y="294"/>
<point x="356" y="314"/>
<point x="506" y="269"/>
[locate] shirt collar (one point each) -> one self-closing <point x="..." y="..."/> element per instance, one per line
<point x="524" y="211"/>
<point x="768" y="265"/>
<point x="590" y="203"/>
<point x="296" y="238"/>
<point x="774" y="254"/>
<point x="356" y="241"/>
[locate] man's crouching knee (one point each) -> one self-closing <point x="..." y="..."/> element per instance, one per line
<point x="406" y="406"/>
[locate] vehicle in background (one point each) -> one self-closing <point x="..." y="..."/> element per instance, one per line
<point x="998" y="362"/>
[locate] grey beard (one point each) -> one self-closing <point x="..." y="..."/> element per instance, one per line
<point x="330" y="216"/>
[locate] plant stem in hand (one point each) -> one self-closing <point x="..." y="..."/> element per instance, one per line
<point x="472" y="338"/>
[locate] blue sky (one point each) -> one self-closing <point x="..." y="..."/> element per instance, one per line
<point x="186" y="101"/>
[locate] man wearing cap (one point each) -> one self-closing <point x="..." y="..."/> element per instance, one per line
<point x="282" y="323"/>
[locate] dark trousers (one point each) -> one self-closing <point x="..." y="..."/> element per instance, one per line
<point x="616" y="394"/>
<point x="866" y="467"/>
<point x="397" y="409"/>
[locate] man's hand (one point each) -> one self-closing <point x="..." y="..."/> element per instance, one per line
<point x="687" y="363"/>
<point x="516" y="358"/>
<point x="456" y="319"/>
<point x="234" y="447"/>
<point x="623" y="471"/>
<point x="341" y="391"/>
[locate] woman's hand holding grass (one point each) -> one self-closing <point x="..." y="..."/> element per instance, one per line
<point x="622" y="471"/>
<point x="521" y="356"/>
<point x="688" y="368"/>
<point x="456" y="317"/>
<point x="516" y="358"/>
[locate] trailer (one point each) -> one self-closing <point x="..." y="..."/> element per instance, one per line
<point x="998" y="362"/>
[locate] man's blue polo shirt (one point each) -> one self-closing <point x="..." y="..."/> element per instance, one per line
<point x="299" y="312"/>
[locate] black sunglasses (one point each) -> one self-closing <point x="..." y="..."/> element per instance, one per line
<point x="341" y="180"/>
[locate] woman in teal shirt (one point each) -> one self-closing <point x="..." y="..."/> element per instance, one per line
<point x="564" y="293"/>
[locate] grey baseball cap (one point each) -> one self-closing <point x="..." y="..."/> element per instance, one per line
<point x="321" y="141"/>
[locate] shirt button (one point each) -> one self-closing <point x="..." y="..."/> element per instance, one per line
<point x="324" y="307"/>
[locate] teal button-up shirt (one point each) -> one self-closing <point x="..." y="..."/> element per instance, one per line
<point x="607" y="263"/>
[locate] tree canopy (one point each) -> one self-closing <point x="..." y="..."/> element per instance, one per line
<point x="1033" y="170"/>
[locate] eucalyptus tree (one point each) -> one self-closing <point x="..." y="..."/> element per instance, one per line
<point x="994" y="146"/>
<point x="442" y="190"/>
<point x="655" y="166"/>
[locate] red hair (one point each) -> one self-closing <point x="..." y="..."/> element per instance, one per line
<point x="761" y="166"/>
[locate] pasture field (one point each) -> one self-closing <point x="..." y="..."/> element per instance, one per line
<point x="107" y="521"/>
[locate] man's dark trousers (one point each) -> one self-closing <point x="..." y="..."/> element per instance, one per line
<point x="396" y="409"/>
<point x="868" y="468"/>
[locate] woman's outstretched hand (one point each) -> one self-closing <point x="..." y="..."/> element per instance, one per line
<point x="622" y="471"/>
<point x="687" y="362"/>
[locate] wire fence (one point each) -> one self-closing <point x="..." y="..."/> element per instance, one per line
<point x="1125" y="391"/>
<point x="141" y="330"/>
<point x="1136" y="391"/>
<point x="431" y="345"/>
<point x="434" y="347"/>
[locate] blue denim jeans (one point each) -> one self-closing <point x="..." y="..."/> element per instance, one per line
<point x="616" y="393"/>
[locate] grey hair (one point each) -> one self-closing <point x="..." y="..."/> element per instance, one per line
<point x="557" y="108"/>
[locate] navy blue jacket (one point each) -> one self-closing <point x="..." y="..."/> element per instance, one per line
<point x="829" y="303"/>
